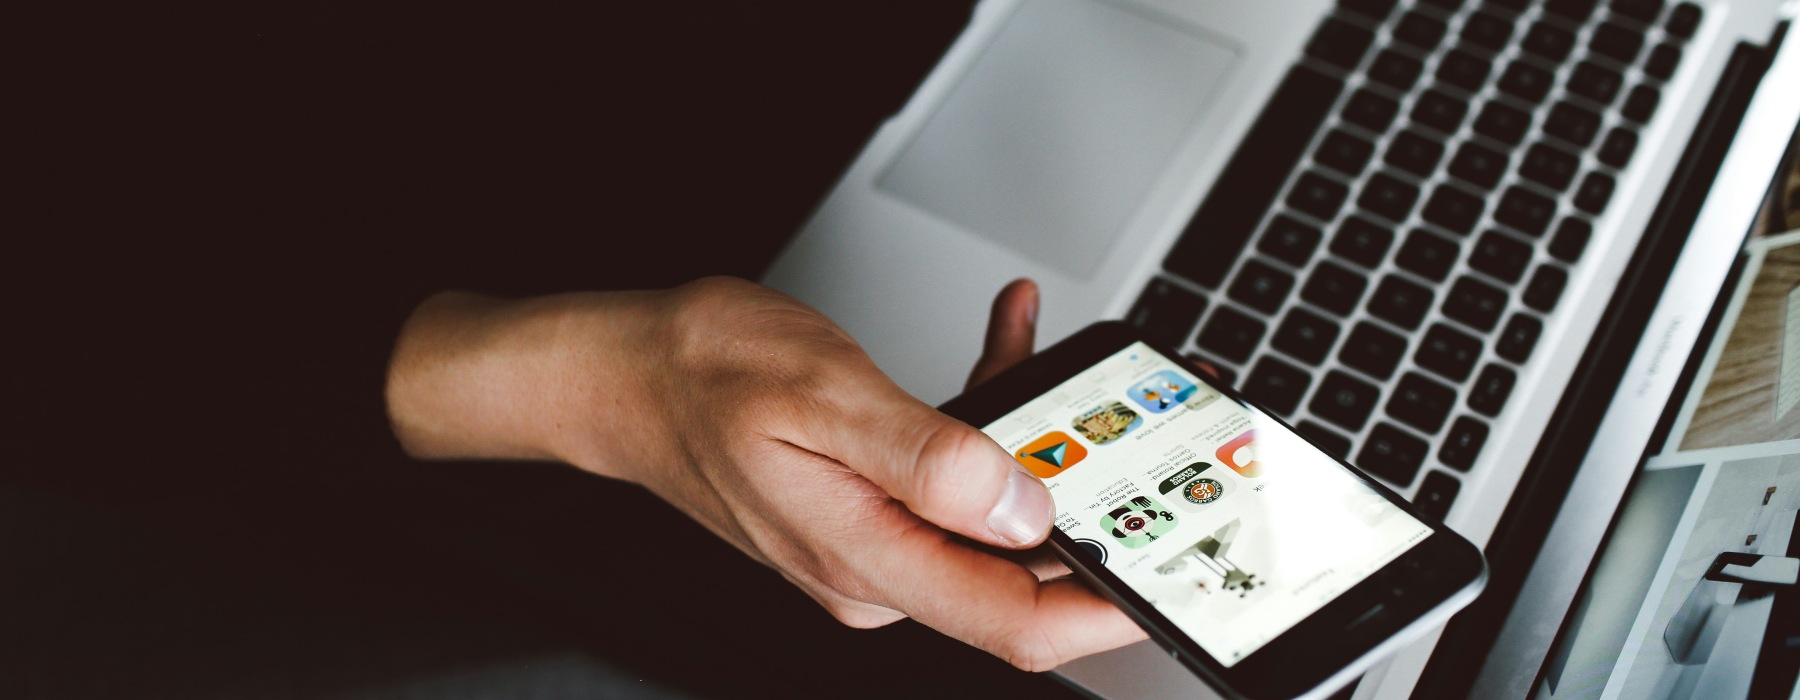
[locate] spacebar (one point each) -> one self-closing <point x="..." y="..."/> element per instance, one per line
<point x="1217" y="234"/>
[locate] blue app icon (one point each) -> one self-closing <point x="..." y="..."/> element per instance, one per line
<point x="1162" y="391"/>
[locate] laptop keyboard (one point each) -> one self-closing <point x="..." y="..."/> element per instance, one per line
<point x="1379" y="256"/>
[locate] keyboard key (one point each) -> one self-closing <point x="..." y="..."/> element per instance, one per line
<point x="1262" y="287"/>
<point x="1595" y="82"/>
<point x="1596" y="189"/>
<point x="1421" y="403"/>
<point x="1334" y="288"/>
<point x="1289" y="241"/>
<point x="1340" y="43"/>
<point x="1526" y="82"/>
<point x="1231" y="334"/>
<point x="1400" y="302"/>
<point x="1500" y="256"/>
<point x="1617" y="148"/>
<point x="1575" y="124"/>
<point x="1453" y="209"/>
<point x="1373" y="350"/>
<point x="1327" y="439"/>
<point x="1571" y="239"/>
<point x="1576" y="10"/>
<point x="1475" y="303"/>
<point x="1166" y="313"/>
<point x="1464" y="70"/>
<point x="1519" y="337"/>
<point x="1526" y="211"/>
<point x="1377" y="9"/>
<point x="1396" y="70"/>
<point x="1436" y="493"/>
<point x="1224" y="372"/>
<point x="1512" y="6"/>
<point x="1502" y="123"/>
<point x="1449" y="352"/>
<point x="1305" y="336"/>
<point x="1487" y="30"/>
<point x="1392" y="455"/>
<point x="1479" y="165"/>
<point x="1388" y="197"/>
<point x="1420" y="30"/>
<point x="1641" y="10"/>
<point x="1371" y="111"/>
<point x="1221" y="229"/>
<point x="1318" y="196"/>
<point x="1276" y="385"/>
<point x="1683" y="20"/>
<point x="1445" y="5"/>
<point x="1545" y="288"/>
<point x="1491" y="389"/>
<point x="1427" y="255"/>
<point x="1640" y="103"/>
<point x="1463" y="444"/>
<point x="1438" y="110"/>
<point x="1549" y="166"/>
<point x="1344" y="153"/>
<point x="1362" y="242"/>
<point x="1415" y="153"/>
<point x="1550" y="42"/>
<point x="1344" y="400"/>
<point x="1617" y="43"/>
<point x="1663" y="60"/>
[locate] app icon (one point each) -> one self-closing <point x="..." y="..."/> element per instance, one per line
<point x="1138" y="522"/>
<point x="1051" y="454"/>
<point x="1162" y="391"/>
<point x="1106" y="423"/>
<point x="1240" y="454"/>
<point x="1195" y="488"/>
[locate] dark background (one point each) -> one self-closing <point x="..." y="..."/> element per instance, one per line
<point x="224" y="216"/>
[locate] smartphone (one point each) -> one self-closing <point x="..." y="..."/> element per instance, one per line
<point x="1268" y="567"/>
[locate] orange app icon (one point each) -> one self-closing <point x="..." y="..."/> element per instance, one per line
<point x="1240" y="454"/>
<point x="1051" y="454"/>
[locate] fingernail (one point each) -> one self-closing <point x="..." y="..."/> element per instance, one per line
<point x="1031" y="310"/>
<point x="1023" y="514"/>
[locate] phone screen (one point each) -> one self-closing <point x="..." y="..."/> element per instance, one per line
<point x="1225" y="520"/>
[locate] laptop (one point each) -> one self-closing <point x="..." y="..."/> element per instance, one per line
<point x="1469" y="246"/>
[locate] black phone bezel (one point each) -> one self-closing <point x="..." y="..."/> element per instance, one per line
<point x="1329" y="639"/>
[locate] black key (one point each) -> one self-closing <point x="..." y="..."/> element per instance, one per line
<point x="1414" y="153"/>
<point x="1362" y="241"/>
<point x="1289" y="241"/>
<point x="1340" y="43"/>
<point x="1577" y="10"/>
<point x="1344" y="400"/>
<point x="1231" y="334"/>
<point x="1260" y="286"/>
<point x="1545" y="287"/>
<point x="1221" y="228"/>
<point x="1487" y="31"/>
<point x="1305" y="335"/>
<point x="1327" y="439"/>
<point x="1640" y="103"/>
<point x="1526" y="211"/>
<point x="1596" y="189"/>
<point x="1449" y="352"/>
<point x="1400" y="302"/>
<point x="1502" y="123"/>
<point x="1479" y="165"/>
<point x="1371" y="111"/>
<point x="1396" y="70"/>
<point x="1463" y="444"/>
<point x="1436" y="493"/>
<point x="1491" y="389"/>
<point x="1445" y="5"/>
<point x="1453" y="209"/>
<point x="1387" y="196"/>
<point x="1663" y="60"/>
<point x="1617" y="43"/>
<point x="1500" y="256"/>
<point x="1572" y="123"/>
<point x="1427" y="254"/>
<point x="1225" y="374"/>
<point x="1166" y="313"/>
<point x="1475" y="303"/>
<point x="1421" y="402"/>
<point x="1618" y="146"/>
<point x="1514" y="6"/>
<point x="1377" y="9"/>
<point x="1440" y="111"/>
<point x="1464" y="70"/>
<point x="1594" y="82"/>
<point x="1345" y="153"/>
<point x="1550" y="41"/>
<point x="1683" y="20"/>
<point x="1373" y="350"/>
<point x="1420" y="30"/>
<point x="1571" y="239"/>
<point x="1519" y="337"/>
<point x="1549" y="166"/>
<point x="1526" y="82"/>
<point x="1641" y="10"/>
<point x="1392" y="455"/>
<point x="1276" y="385"/>
<point x="1317" y="196"/>
<point x="1334" y="288"/>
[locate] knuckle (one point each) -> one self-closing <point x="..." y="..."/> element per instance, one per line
<point x="937" y="480"/>
<point x="1030" y="653"/>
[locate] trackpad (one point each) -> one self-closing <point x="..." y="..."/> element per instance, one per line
<point x="1050" y="140"/>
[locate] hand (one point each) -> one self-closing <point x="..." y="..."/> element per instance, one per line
<point x="802" y="454"/>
